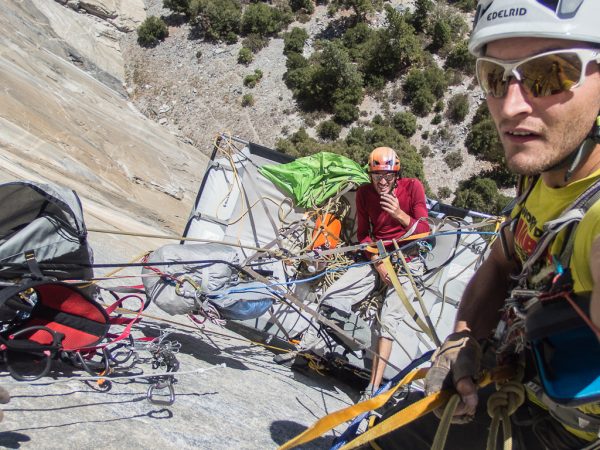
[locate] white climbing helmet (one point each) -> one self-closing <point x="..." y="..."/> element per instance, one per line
<point x="561" y="19"/>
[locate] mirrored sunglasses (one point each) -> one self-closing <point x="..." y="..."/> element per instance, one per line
<point x="541" y="75"/>
<point x="387" y="176"/>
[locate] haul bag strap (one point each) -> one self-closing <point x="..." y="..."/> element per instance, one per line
<point x="33" y="265"/>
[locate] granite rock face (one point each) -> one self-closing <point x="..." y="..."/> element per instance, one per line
<point x="65" y="119"/>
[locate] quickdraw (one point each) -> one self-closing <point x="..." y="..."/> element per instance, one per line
<point x="164" y="357"/>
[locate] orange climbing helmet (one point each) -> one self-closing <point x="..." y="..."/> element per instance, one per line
<point x="384" y="159"/>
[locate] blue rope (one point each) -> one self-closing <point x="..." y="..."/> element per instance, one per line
<point x="325" y="272"/>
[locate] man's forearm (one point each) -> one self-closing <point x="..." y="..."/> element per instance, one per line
<point x="479" y="309"/>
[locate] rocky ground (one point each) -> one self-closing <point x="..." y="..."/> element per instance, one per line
<point x="200" y="96"/>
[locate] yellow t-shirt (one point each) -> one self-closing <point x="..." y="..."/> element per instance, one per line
<point x="544" y="204"/>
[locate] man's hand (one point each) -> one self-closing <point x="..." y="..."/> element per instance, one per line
<point x="383" y="273"/>
<point x="389" y="203"/>
<point x="456" y="364"/>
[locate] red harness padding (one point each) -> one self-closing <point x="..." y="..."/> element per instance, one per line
<point x="62" y="308"/>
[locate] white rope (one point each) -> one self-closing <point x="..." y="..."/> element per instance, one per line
<point x="109" y="378"/>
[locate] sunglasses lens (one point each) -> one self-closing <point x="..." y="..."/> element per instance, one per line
<point x="543" y="76"/>
<point x="490" y="76"/>
<point x="381" y="176"/>
<point x="550" y="74"/>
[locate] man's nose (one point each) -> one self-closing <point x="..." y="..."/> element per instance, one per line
<point x="516" y="101"/>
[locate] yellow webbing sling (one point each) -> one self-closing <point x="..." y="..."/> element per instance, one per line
<point x="401" y="418"/>
<point x="387" y="263"/>
<point x="332" y="420"/>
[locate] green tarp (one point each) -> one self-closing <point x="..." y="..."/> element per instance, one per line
<point x="311" y="180"/>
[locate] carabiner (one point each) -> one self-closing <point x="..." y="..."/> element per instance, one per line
<point x="159" y="386"/>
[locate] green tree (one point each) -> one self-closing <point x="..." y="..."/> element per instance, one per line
<point x="255" y="42"/>
<point x="422" y="102"/>
<point x="480" y="194"/>
<point x="458" y="108"/>
<point x="483" y="142"/>
<point x="460" y="59"/>
<point x="444" y="192"/>
<point x="458" y="27"/>
<point x="356" y="137"/>
<point x="152" y="30"/>
<point x="422" y="14"/>
<point x="293" y="42"/>
<point x="392" y="49"/>
<point x="295" y="61"/>
<point x="441" y="35"/>
<point x="331" y="82"/>
<point x="464" y="5"/>
<point x="251" y="80"/>
<point x="263" y="19"/>
<point x="361" y="8"/>
<point x="405" y="123"/>
<point x="245" y="56"/>
<point x="306" y="5"/>
<point x="177" y="6"/>
<point x="218" y="19"/>
<point x="454" y="160"/>
<point x="329" y="130"/>
<point x="355" y="38"/>
<point x="437" y="119"/>
<point x="423" y="87"/>
<point x="345" y="112"/>
<point x="248" y="100"/>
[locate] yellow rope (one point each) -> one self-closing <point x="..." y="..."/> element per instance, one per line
<point x="182" y="238"/>
<point x="117" y="270"/>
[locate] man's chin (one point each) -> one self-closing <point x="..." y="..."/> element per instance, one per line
<point x="527" y="167"/>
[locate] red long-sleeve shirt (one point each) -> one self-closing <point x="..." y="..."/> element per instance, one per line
<point x="411" y="197"/>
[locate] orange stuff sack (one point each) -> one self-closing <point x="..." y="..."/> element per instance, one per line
<point x="327" y="231"/>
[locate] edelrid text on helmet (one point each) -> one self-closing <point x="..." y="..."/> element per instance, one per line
<point x="384" y="159"/>
<point x="510" y="12"/>
<point x="574" y="20"/>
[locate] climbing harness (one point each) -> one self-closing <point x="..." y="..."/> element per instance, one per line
<point x="543" y="315"/>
